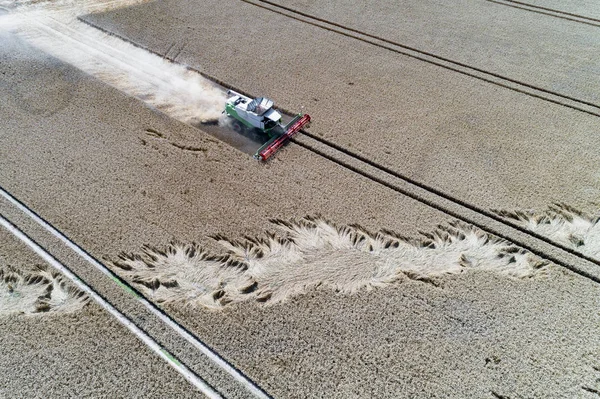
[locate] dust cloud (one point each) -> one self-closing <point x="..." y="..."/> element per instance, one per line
<point x="53" y="28"/>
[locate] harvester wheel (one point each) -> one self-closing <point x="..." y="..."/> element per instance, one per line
<point x="237" y="126"/>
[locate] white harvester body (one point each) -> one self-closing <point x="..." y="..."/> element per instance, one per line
<point x="253" y="113"/>
<point x="259" y="114"/>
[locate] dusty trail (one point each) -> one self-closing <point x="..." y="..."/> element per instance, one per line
<point x="173" y="89"/>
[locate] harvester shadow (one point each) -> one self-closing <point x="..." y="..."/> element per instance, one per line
<point x="247" y="141"/>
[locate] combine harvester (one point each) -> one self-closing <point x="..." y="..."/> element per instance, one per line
<point x="258" y="114"/>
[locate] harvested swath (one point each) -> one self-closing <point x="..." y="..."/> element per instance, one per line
<point x="564" y="224"/>
<point x="38" y="291"/>
<point x="313" y="252"/>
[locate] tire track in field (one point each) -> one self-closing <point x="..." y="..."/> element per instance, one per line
<point x="431" y="58"/>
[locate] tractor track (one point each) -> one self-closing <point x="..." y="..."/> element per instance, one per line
<point x="355" y="162"/>
<point x="566" y="257"/>
<point x="480" y="74"/>
<point x="548" y="11"/>
<point x="431" y="58"/>
<point x="144" y="318"/>
<point x="484" y="219"/>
